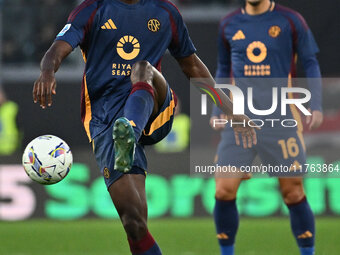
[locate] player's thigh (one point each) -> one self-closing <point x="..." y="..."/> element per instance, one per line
<point x="230" y="159"/>
<point x="160" y="87"/>
<point x="231" y="156"/>
<point x="283" y="152"/>
<point x="128" y="196"/>
<point x="292" y="189"/>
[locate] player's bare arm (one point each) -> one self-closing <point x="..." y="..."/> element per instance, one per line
<point x="46" y="84"/>
<point x="193" y="67"/>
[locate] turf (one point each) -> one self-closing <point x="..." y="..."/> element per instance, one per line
<point x="175" y="237"/>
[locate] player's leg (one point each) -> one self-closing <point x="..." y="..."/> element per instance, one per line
<point x="149" y="90"/>
<point x="301" y="215"/>
<point x="227" y="183"/>
<point x="127" y="192"/>
<point x="128" y="196"/>
<point x="273" y="153"/>
<point x="225" y="213"/>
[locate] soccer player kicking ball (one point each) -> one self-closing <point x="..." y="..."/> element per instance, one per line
<point x="126" y="102"/>
<point x="262" y="40"/>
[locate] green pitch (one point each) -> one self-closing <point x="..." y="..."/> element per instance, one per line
<point x="270" y="236"/>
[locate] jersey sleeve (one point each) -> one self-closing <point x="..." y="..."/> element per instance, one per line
<point x="307" y="49"/>
<point x="305" y="42"/>
<point x="181" y="44"/>
<point x="77" y="24"/>
<point x="224" y="56"/>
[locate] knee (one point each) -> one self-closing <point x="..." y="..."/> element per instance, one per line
<point x="293" y="195"/>
<point x="225" y="193"/>
<point x="134" y="225"/>
<point x="142" y="71"/>
<point x="141" y="64"/>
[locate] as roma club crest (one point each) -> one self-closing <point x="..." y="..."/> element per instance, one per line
<point x="106" y="173"/>
<point x="154" y="25"/>
<point x="274" y="31"/>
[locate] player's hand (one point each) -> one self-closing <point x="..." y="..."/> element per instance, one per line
<point x="43" y="89"/>
<point x="315" y="120"/>
<point x="247" y="132"/>
<point x="217" y="126"/>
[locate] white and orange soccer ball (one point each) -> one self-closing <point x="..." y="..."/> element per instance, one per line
<point x="47" y="159"/>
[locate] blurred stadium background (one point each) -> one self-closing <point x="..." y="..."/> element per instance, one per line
<point x="180" y="206"/>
